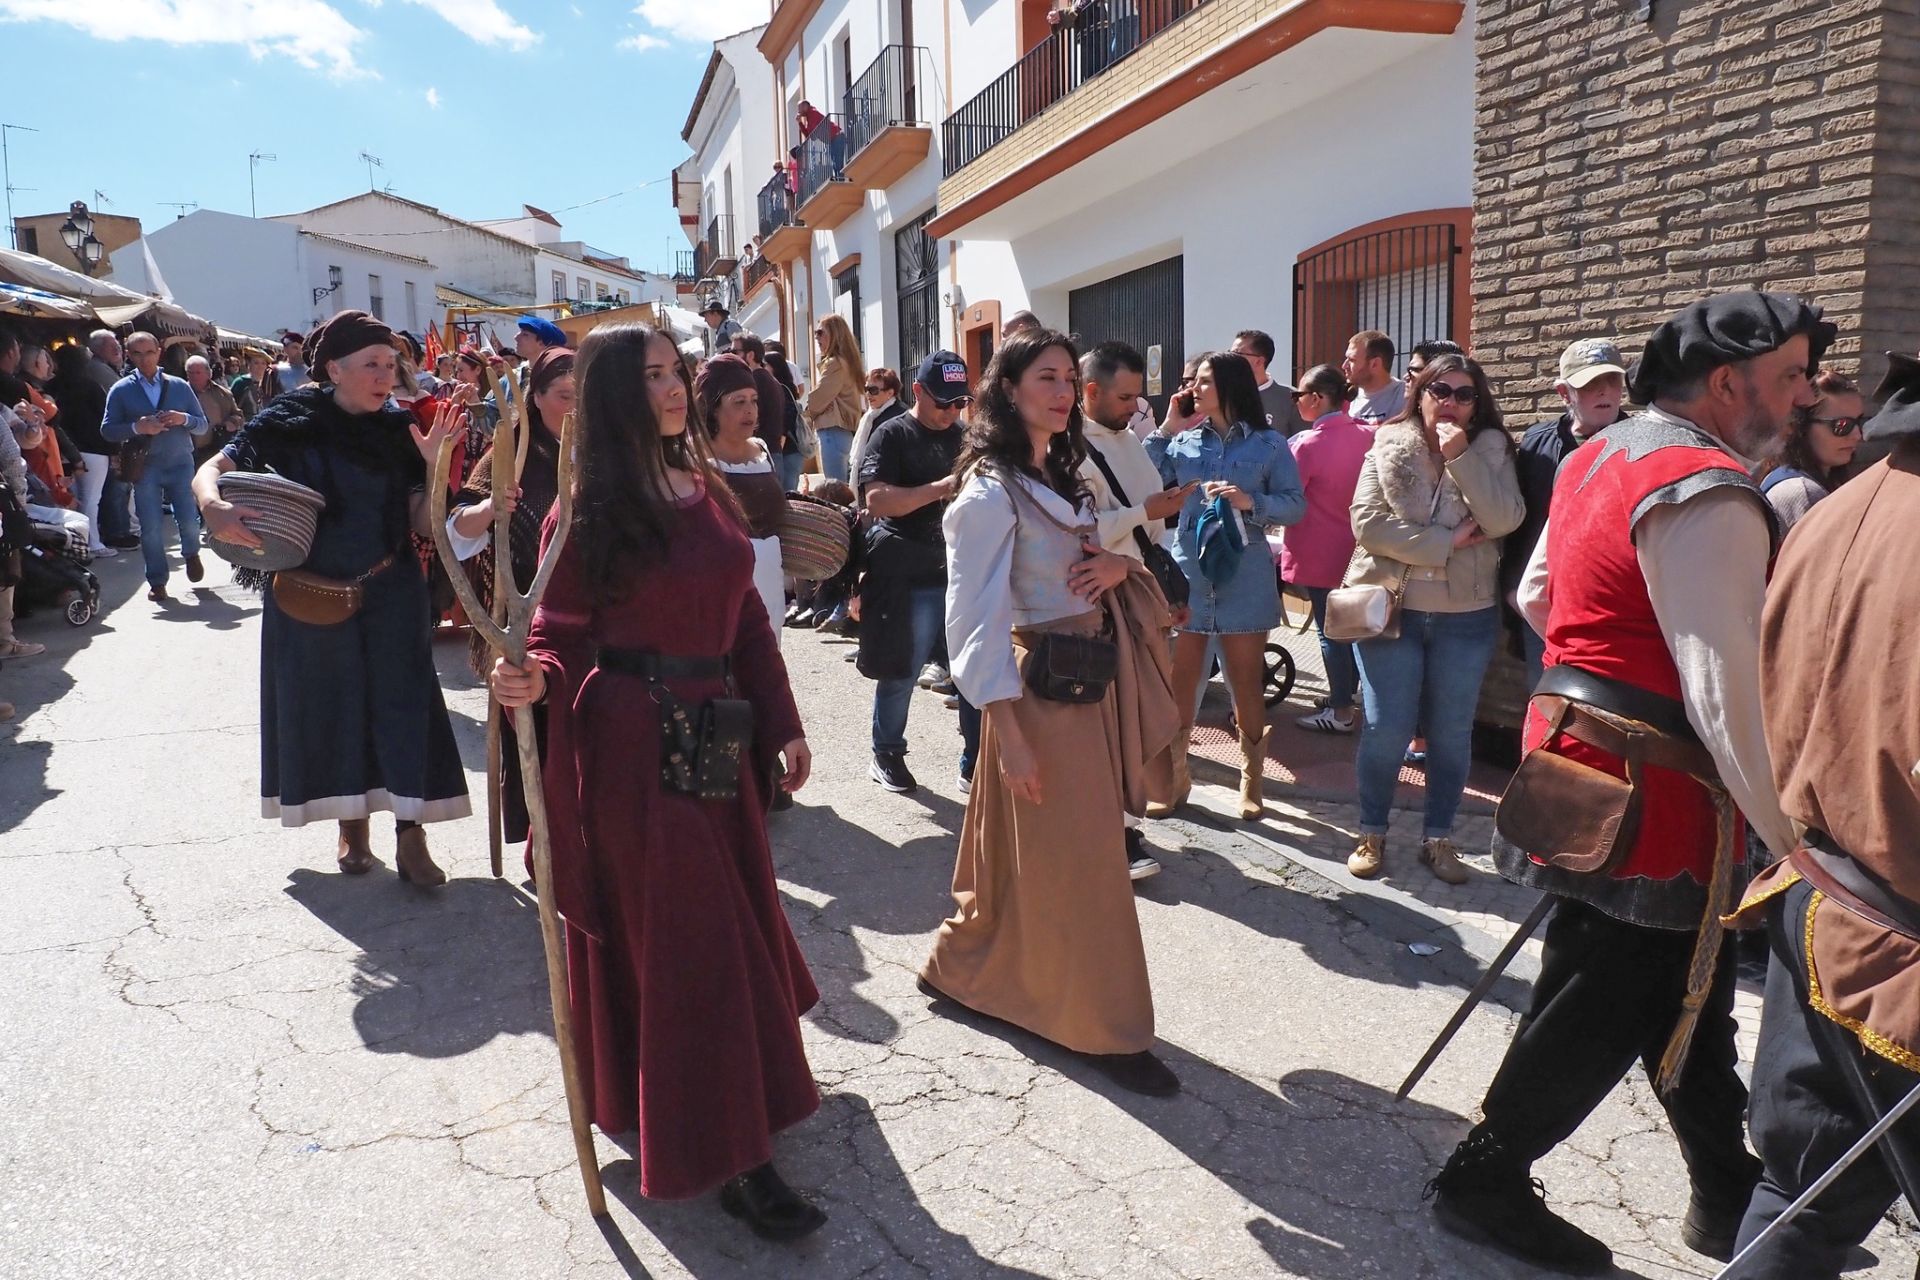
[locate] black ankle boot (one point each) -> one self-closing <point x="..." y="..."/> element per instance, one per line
<point x="771" y="1209"/>
<point x="1138" y="1072"/>
<point x="1485" y="1195"/>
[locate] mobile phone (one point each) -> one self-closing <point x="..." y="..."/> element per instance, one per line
<point x="1185" y="400"/>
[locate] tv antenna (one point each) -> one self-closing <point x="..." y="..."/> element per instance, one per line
<point x="101" y="198"/>
<point x="181" y="207"/>
<point x="6" y="178"/>
<point x="253" y="163"/>
<point x="373" y="162"/>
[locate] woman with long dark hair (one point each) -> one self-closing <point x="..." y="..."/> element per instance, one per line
<point x="1436" y="494"/>
<point x="1819" y="445"/>
<point x="1216" y="433"/>
<point x="550" y="398"/>
<point x="668" y="709"/>
<point x="351" y="716"/>
<point x="1044" y="933"/>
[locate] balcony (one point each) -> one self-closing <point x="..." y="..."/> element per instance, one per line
<point x="827" y="196"/>
<point x="686" y="195"/>
<point x="683" y="272"/>
<point x="716" y="254"/>
<point x="887" y="130"/>
<point x="781" y="239"/>
<point x="757" y="272"/>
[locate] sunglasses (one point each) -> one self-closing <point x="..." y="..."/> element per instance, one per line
<point x="874" y="391"/>
<point x="1462" y="394"/>
<point x="1842" y="427"/>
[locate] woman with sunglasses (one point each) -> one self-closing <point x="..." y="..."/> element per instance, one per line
<point x="832" y="405"/>
<point x="1818" y="448"/>
<point x="882" y="392"/>
<point x="1436" y="494"/>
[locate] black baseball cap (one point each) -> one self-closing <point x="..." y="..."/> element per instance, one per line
<point x="943" y="375"/>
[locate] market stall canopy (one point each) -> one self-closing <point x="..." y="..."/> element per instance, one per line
<point x="113" y="304"/>
<point x="235" y="338"/>
<point x="38" y="304"/>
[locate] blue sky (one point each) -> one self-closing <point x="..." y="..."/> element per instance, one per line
<point x="476" y="106"/>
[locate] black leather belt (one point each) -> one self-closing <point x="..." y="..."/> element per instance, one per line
<point x="664" y="666"/>
<point x="1622" y="699"/>
<point x="1829" y="868"/>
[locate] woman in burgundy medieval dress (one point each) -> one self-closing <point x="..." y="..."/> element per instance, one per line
<point x="686" y="983"/>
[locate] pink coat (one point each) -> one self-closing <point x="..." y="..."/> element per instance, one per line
<point x="1314" y="552"/>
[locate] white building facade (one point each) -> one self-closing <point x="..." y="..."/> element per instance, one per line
<point x="731" y="130"/>
<point x="262" y="276"/>
<point x="1166" y="172"/>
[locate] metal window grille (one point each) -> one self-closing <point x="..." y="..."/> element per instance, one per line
<point x="1399" y="281"/>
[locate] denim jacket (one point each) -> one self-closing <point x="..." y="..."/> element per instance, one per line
<point x="1258" y="461"/>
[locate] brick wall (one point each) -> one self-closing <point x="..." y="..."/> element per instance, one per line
<point x="1625" y="167"/>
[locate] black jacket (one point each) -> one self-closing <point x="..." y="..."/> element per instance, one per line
<point x="1542" y="449"/>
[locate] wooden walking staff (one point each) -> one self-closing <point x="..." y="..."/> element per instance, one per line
<point x="502" y="583"/>
<point x="510" y="642"/>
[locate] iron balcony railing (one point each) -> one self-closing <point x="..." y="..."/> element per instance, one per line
<point x="683" y="268"/>
<point x="1091" y="41"/>
<point x="716" y="247"/>
<point x="888" y="93"/>
<point x="776" y="205"/>
<point x="823" y="157"/>
<point x="755" y="272"/>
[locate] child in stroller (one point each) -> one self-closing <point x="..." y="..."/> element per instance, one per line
<point x="54" y="574"/>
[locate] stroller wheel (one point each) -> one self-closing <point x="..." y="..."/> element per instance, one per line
<point x="79" y="611"/>
<point x="1277" y="674"/>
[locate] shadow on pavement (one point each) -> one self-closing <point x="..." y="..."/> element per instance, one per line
<point x="842" y="1160"/>
<point x="441" y="971"/>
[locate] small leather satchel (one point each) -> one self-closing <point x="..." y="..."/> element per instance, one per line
<point x="321" y="602"/>
<point x="1064" y="667"/>
<point x="1568" y="814"/>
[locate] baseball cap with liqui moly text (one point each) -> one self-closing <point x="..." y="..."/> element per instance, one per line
<point x="944" y="376"/>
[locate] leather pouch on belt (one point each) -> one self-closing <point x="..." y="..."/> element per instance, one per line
<point x="314" y="600"/>
<point x="1568" y="814"/>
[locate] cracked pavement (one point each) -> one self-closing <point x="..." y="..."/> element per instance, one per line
<point x="224" y="1059"/>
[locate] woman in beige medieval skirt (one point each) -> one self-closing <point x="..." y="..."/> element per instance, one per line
<point x="1044" y="933"/>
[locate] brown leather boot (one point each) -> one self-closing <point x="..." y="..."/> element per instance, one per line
<point x="356" y="852"/>
<point x="1182" y="779"/>
<point x="1253" y="767"/>
<point x="413" y="862"/>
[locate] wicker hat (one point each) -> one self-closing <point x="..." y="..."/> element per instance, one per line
<point x="814" y="538"/>
<point x="285" y="525"/>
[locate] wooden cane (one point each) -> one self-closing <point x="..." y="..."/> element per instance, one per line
<point x="502" y="580"/>
<point x="510" y="642"/>
<point x="496" y="785"/>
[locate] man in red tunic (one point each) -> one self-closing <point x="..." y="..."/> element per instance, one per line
<point x="1649" y="581"/>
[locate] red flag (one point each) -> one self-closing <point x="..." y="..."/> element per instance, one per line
<point x="433" y="349"/>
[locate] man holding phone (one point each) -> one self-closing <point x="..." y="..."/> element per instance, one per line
<point x="161" y="417"/>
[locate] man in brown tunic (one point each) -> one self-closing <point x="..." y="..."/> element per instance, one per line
<point x="1840" y="1037"/>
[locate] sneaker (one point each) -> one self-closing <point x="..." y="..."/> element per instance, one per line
<point x="1443" y="860"/>
<point x="931" y="674"/>
<point x="951" y="702"/>
<point x="1368" y="856"/>
<point x="1140" y="863"/>
<point x="102" y="552"/>
<point x="966" y="784"/>
<point x="1484" y="1196"/>
<point x="1327" y="720"/>
<point x="21" y="649"/>
<point x="889" y="769"/>
<point x="946" y="688"/>
<point x="837" y="624"/>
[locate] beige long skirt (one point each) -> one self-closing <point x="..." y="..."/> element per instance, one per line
<point x="1044" y="933"/>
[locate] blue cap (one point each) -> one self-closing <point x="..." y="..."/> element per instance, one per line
<point x="944" y="376"/>
<point x="549" y="333"/>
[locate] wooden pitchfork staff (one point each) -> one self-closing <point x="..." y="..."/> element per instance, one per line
<point x="502" y="584"/>
<point x="506" y="631"/>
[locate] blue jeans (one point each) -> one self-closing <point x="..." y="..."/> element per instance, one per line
<point x="113" y="521"/>
<point x="1343" y="676"/>
<point x="791" y="465"/>
<point x="1429" y="675"/>
<point x="927" y="614"/>
<point x="836" y="445"/>
<point x="166" y="482"/>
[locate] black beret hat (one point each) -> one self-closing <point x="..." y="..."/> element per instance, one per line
<point x="1726" y="329"/>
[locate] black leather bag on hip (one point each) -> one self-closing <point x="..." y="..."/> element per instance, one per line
<point x="1064" y="667"/>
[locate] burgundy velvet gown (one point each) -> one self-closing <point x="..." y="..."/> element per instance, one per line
<point x="685" y="980"/>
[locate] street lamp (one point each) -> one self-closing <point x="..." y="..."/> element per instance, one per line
<point x="77" y="234"/>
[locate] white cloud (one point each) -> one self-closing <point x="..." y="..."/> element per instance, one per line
<point x="484" y="20"/>
<point x="641" y="42"/>
<point x="311" y="32"/>
<point x="433" y="97"/>
<point x="702" y="19"/>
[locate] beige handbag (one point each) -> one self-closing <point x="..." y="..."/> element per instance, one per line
<point x="1369" y="611"/>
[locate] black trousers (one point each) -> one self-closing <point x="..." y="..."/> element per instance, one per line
<point x="1816" y="1089"/>
<point x="1608" y="995"/>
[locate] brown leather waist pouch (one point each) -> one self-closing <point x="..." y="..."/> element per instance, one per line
<point x="317" y="601"/>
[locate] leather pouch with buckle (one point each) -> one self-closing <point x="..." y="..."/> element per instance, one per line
<point x="726" y="733"/>
<point x="1063" y="667"/>
<point x="321" y="602"/>
<point x="1568" y="814"/>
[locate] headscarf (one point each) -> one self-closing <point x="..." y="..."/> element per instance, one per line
<point x="719" y="378"/>
<point x="1899" y="416"/>
<point x="1727" y="328"/>
<point x="342" y="335"/>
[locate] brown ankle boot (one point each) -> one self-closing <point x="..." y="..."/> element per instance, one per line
<point x="413" y="862"/>
<point x="356" y="853"/>
<point x="1182" y="779"/>
<point x="1253" y="767"/>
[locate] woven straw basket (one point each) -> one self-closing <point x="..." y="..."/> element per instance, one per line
<point x="814" y="540"/>
<point x="285" y="525"/>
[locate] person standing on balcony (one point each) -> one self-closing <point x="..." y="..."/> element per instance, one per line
<point x="1256" y="348"/>
<point x="817" y="128"/>
<point x="833" y="404"/>
<point x="1368" y="365"/>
